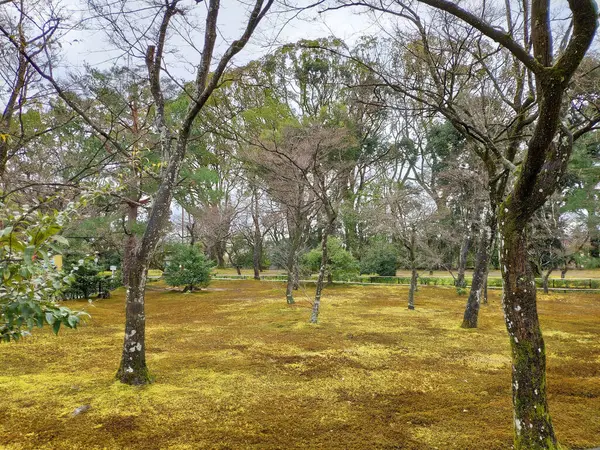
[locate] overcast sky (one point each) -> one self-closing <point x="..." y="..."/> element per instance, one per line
<point x="91" y="46"/>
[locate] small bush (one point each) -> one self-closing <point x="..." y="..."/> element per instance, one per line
<point x="380" y="258"/>
<point x="341" y="265"/>
<point x="86" y="278"/>
<point x="188" y="267"/>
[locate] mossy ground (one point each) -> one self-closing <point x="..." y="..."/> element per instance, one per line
<point x="235" y="367"/>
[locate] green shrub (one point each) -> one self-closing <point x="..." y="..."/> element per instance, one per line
<point x="188" y="267"/>
<point x="86" y="278"/>
<point x="341" y="265"/>
<point x="380" y="258"/>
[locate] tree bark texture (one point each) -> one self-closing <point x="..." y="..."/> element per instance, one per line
<point x="319" y="289"/>
<point x="291" y="262"/>
<point x="414" y="276"/>
<point x="533" y="426"/>
<point x="485" y="287"/>
<point x="413" y="287"/>
<point x="257" y="248"/>
<point x="296" y="276"/>
<point x="462" y="259"/>
<point x="133" y="369"/>
<point x="545" y="281"/>
<point x="291" y="277"/>
<point x="482" y="259"/>
<point x="289" y="288"/>
<point x="130" y="241"/>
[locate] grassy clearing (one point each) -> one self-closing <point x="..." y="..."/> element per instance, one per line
<point x="236" y="367"/>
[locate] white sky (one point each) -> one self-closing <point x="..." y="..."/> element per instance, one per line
<point x="91" y="46"/>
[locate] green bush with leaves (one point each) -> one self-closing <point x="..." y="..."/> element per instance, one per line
<point x="188" y="267"/>
<point x="31" y="285"/>
<point x="381" y="258"/>
<point x="86" y="278"/>
<point x="341" y="265"/>
<point x="241" y="254"/>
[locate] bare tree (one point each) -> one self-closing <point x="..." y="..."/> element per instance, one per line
<point x="408" y="216"/>
<point x="555" y="241"/>
<point x="316" y="160"/>
<point x="284" y="180"/>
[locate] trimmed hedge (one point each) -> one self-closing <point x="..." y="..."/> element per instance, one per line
<point x="557" y="283"/>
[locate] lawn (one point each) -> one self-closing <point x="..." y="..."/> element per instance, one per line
<point x="235" y="367"/>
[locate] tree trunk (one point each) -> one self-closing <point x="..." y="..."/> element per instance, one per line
<point x="289" y="289"/>
<point x="130" y="241"/>
<point x="3" y="153"/>
<point x="290" y="266"/>
<point x="413" y="287"/>
<point x="462" y="260"/>
<point x="296" y="276"/>
<point x="485" y="288"/>
<point x="133" y="369"/>
<point x="533" y="426"/>
<point x="351" y="240"/>
<point x="545" y="278"/>
<point x="220" y="254"/>
<point x="479" y="281"/>
<point x="238" y="270"/>
<point x="291" y="263"/>
<point x="191" y="229"/>
<point x="257" y="248"/>
<point x="317" y="303"/>
<point x="256" y="263"/>
<point x="414" y="276"/>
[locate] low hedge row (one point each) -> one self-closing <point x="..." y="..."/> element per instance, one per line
<point x="564" y="283"/>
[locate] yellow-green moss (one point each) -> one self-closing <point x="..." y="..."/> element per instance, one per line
<point x="236" y="367"/>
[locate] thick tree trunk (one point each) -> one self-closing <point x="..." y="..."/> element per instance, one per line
<point x="533" y="426"/>
<point x="216" y="253"/>
<point x="482" y="259"/>
<point x="317" y="303"/>
<point x="256" y="263"/>
<point x="238" y="269"/>
<point x="220" y="254"/>
<point x="133" y="369"/>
